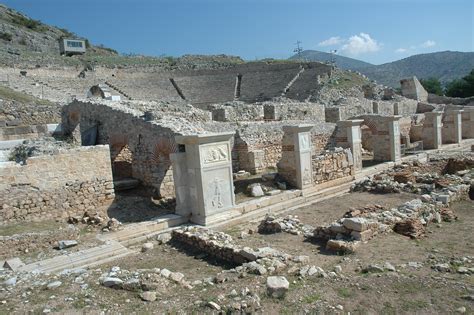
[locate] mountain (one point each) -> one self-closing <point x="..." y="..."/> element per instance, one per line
<point x="342" y="62"/>
<point x="445" y="65"/>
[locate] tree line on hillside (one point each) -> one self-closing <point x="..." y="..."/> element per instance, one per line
<point x="463" y="87"/>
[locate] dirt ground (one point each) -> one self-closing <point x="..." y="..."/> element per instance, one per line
<point x="420" y="290"/>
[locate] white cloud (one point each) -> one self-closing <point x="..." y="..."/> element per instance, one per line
<point x="360" y="44"/>
<point x="401" y="50"/>
<point x="332" y="41"/>
<point x="428" y="43"/>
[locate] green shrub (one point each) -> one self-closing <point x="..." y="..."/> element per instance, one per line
<point x="6" y="36"/>
<point x="21" y="153"/>
<point x="29" y="23"/>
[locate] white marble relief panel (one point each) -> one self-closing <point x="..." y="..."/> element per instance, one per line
<point x="214" y="153"/>
<point x="217" y="185"/>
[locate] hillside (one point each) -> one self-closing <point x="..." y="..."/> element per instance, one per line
<point x="342" y="62"/>
<point x="25" y="42"/>
<point x="21" y="36"/>
<point x="445" y="65"/>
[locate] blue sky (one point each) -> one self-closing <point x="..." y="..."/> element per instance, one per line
<point x="375" y="31"/>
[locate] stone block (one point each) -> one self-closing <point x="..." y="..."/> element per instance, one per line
<point x="13" y="264"/>
<point x="362" y="236"/>
<point x="356" y="224"/>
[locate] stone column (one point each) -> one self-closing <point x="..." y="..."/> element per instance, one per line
<point x="296" y="161"/>
<point x="452" y="130"/>
<point x="210" y="188"/>
<point x="349" y="136"/>
<point x="468" y="123"/>
<point x="432" y="130"/>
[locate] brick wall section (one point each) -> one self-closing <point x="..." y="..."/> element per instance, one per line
<point x="147" y="145"/>
<point x="330" y="165"/>
<point x="56" y="186"/>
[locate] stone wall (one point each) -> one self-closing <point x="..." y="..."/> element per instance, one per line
<point x="29" y="131"/>
<point x="15" y="114"/>
<point x="265" y="141"/>
<point x="137" y="147"/>
<point x="237" y="112"/>
<point x="412" y="88"/>
<point x="332" y="164"/>
<point x="216" y="244"/>
<point x="57" y="186"/>
<point x="294" y="111"/>
<point x="437" y="99"/>
<point x="351" y="107"/>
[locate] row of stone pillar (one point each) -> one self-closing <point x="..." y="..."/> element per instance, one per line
<point x="203" y="171"/>
<point x="447" y="127"/>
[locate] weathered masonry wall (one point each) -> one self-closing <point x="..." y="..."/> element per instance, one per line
<point x="294" y="111"/>
<point x="260" y="147"/>
<point x="15" y="114"/>
<point x="138" y="148"/>
<point x="29" y="131"/>
<point x="56" y="186"/>
<point x="240" y="112"/>
<point x="437" y="99"/>
<point x="332" y="164"/>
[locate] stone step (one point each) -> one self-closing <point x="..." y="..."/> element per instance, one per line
<point x="137" y="232"/>
<point x="234" y="217"/>
<point x="81" y="259"/>
<point x="126" y="183"/>
<point x="76" y="257"/>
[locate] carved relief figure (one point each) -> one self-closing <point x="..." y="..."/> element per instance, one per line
<point x="216" y="200"/>
<point x="215" y="154"/>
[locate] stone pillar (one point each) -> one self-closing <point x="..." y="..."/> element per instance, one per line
<point x="295" y="165"/>
<point x="432" y="130"/>
<point x="349" y="136"/>
<point x="452" y="130"/>
<point x="375" y="107"/>
<point x="394" y="133"/>
<point x="468" y="123"/>
<point x="396" y="109"/>
<point x="180" y="180"/>
<point x="209" y="188"/>
<point x="387" y="139"/>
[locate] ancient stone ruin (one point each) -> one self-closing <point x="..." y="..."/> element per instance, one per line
<point x="149" y="159"/>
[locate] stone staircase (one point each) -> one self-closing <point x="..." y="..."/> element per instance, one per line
<point x="113" y="87"/>
<point x="287" y="88"/>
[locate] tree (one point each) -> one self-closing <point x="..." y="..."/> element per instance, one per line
<point x="432" y="85"/>
<point x="463" y="87"/>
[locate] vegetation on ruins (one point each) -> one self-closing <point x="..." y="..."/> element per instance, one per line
<point x="21" y="153"/>
<point x="6" y="36"/>
<point x="432" y="85"/>
<point x="463" y="87"/>
<point x="34" y="25"/>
